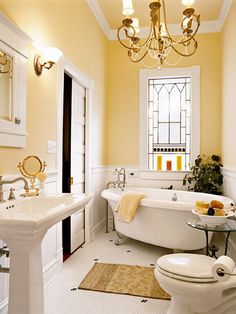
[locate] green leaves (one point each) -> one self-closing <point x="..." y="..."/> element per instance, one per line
<point x="206" y="175"/>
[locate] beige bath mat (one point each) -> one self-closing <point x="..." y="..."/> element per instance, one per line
<point x="124" y="279"/>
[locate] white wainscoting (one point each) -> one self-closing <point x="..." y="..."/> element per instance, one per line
<point x="230" y="191"/>
<point x="97" y="210"/>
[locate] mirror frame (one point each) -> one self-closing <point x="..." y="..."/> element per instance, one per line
<point x="14" y="42"/>
<point x="25" y="172"/>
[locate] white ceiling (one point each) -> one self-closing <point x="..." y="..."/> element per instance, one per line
<point x="109" y="15"/>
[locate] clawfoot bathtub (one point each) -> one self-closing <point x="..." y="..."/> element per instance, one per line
<point x="161" y="217"/>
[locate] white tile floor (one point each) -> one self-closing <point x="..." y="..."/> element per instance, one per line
<point x="59" y="299"/>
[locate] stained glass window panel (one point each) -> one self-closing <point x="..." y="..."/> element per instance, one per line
<point x="169" y="107"/>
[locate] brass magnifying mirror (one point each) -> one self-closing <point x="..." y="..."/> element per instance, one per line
<point x="30" y="167"/>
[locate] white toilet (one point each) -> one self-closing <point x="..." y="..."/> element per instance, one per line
<point x="193" y="288"/>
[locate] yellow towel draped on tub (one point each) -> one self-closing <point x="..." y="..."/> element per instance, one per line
<point x="128" y="204"/>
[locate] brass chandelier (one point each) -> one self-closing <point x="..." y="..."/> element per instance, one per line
<point x="159" y="42"/>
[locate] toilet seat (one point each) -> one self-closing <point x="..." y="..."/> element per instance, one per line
<point x="187" y="267"/>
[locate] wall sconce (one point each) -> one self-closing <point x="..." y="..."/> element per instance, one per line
<point x="50" y="56"/>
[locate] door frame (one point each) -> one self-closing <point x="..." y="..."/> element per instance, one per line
<point x="65" y="66"/>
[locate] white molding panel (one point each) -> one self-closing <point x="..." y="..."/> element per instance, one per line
<point x="98" y="229"/>
<point x="229" y="182"/>
<point x="230" y="173"/>
<point x="230" y="191"/>
<point x="4" y="305"/>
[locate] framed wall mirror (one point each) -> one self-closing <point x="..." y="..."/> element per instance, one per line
<point x="13" y="66"/>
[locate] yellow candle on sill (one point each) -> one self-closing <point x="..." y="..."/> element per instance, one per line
<point x="159" y="162"/>
<point x="179" y="162"/>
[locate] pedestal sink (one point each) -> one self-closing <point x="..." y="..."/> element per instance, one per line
<point x="23" y="224"/>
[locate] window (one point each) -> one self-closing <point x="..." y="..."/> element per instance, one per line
<point x="169" y="118"/>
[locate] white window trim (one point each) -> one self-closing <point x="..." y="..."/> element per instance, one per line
<point x="144" y="75"/>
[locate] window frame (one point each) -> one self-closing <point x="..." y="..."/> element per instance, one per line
<point x="144" y="76"/>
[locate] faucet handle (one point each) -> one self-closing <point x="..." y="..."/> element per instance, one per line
<point x="11" y="195"/>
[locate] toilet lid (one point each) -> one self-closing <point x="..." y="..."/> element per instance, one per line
<point x="188" y="267"/>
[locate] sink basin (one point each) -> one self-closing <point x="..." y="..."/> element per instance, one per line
<point x="23" y="224"/>
<point x="30" y="215"/>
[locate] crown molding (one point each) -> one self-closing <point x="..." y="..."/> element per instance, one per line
<point x="14" y="28"/>
<point x="224" y="12"/>
<point x="205" y="27"/>
<point x="95" y="8"/>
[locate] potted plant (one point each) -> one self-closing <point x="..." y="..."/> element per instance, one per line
<point x="206" y="175"/>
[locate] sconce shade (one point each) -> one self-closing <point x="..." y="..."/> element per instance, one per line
<point x="50" y="56"/>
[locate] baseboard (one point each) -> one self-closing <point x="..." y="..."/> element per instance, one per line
<point x="232" y="249"/>
<point x="98" y="229"/>
<point x="4" y="306"/>
<point x="53" y="268"/>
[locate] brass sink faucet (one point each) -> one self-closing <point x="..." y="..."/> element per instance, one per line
<point x="26" y="186"/>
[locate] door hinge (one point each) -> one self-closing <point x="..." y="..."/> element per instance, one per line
<point x="71" y="181"/>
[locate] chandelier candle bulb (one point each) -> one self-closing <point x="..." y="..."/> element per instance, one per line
<point x="135" y="24"/>
<point x="179" y="163"/>
<point x="188" y="2"/>
<point x="128" y="8"/>
<point x="159" y="162"/>
<point x="168" y="165"/>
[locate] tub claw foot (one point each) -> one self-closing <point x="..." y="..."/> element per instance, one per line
<point x="117" y="242"/>
<point x="120" y="237"/>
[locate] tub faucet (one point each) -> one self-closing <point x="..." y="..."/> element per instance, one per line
<point x="174" y="197"/>
<point x="26" y="186"/>
<point x="118" y="183"/>
<point x="114" y="184"/>
<point x="121" y="182"/>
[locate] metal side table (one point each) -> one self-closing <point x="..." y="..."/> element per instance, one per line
<point x="228" y="227"/>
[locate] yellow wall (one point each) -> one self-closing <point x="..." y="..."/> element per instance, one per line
<point x="229" y="89"/>
<point x="70" y="26"/>
<point x="122" y="137"/>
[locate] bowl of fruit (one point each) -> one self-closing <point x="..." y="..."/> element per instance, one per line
<point x="212" y="214"/>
